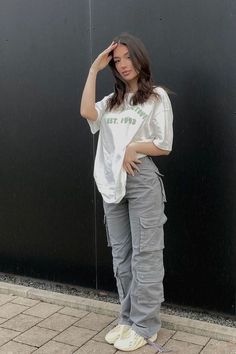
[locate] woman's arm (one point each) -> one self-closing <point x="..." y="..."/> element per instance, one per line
<point x="148" y="149"/>
<point x="87" y="106"/>
<point x="130" y="159"/>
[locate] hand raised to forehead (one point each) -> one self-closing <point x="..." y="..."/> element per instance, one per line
<point x="104" y="58"/>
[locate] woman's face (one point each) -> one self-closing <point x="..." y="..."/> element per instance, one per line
<point x="124" y="65"/>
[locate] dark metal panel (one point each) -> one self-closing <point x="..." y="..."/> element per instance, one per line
<point x="46" y="182"/>
<point x="190" y="44"/>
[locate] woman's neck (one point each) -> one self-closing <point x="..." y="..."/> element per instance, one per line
<point x="132" y="87"/>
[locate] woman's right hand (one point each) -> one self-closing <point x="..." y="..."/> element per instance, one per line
<point x="103" y="58"/>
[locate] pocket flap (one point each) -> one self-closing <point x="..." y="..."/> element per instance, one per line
<point x="148" y="277"/>
<point x="152" y="221"/>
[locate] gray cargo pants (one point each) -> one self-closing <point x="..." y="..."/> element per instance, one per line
<point x="135" y="232"/>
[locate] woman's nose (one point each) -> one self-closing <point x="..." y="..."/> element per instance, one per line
<point x="123" y="64"/>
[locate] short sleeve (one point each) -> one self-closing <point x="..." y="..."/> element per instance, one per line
<point x="162" y="122"/>
<point x="100" y="108"/>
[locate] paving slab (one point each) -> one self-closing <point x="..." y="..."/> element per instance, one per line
<point x="21" y="322"/>
<point x="42" y="310"/>
<point x="6" y="335"/>
<point x="75" y="336"/>
<point x="53" y="347"/>
<point x="93" y="347"/>
<point x="191" y="338"/>
<point x="71" y="311"/>
<point x="58" y="322"/>
<point x="94" y="321"/>
<point x="180" y="347"/>
<point x="16" y="348"/>
<point x="147" y="349"/>
<point x="10" y="310"/>
<point x="36" y="336"/>
<point x="219" y="347"/>
<point x="6" y="298"/>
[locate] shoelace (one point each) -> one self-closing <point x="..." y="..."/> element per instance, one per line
<point x="158" y="347"/>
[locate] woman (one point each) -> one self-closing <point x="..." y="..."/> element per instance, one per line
<point x="135" y="122"/>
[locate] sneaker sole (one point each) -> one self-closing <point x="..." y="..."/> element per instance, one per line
<point x="151" y="339"/>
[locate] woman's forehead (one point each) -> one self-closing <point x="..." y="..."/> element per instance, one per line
<point x="120" y="50"/>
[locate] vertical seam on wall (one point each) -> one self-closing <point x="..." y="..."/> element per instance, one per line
<point x="93" y="145"/>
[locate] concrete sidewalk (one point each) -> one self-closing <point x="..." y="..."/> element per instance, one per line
<point x="40" y="321"/>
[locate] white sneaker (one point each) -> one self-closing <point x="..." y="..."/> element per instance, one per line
<point x="116" y="333"/>
<point x="132" y="341"/>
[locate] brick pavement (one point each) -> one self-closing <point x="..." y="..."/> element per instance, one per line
<point x="34" y="326"/>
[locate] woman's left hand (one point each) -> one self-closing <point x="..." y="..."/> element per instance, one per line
<point x="130" y="159"/>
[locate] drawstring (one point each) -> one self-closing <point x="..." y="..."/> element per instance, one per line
<point x="159" y="348"/>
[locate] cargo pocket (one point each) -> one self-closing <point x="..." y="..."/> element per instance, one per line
<point x="107" y="232"/>
<point x="152" y="233"/>
<point x="150" y="285"/>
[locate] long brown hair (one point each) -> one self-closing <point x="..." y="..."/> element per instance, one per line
<point x="141" y="63"/>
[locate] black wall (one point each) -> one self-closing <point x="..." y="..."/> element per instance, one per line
<point x="51" y="216"/>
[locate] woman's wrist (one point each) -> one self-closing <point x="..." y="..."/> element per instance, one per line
<point x="93" y="70"/>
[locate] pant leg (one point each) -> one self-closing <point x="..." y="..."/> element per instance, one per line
<point x="146" y="197"/>
<point x="119" y="238"/>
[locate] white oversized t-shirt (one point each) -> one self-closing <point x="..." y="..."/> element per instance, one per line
<point x="151" y="121"/>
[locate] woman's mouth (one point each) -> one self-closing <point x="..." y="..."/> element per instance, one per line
<point x="126" y="73"/>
